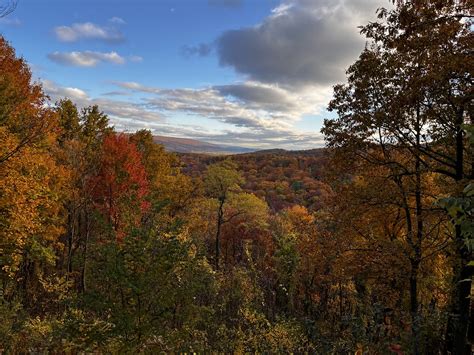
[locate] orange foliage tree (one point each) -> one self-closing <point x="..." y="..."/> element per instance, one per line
<point x="31" y="183"/>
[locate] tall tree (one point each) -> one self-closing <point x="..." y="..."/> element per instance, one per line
<point x="32" y="184"/>
<point x="80" y="139"/>
<point x="221" y="178"/>
<point x="121" y="186"/>
<point x="411" y="89"/>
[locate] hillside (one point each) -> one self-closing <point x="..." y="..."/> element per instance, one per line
<point x="186" y="145"/>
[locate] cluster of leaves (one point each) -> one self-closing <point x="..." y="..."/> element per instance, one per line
<point x="461" y="210"/>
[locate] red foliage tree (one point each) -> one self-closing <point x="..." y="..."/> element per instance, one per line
<point x="121" y="187"/>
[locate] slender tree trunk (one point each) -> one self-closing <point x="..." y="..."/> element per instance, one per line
<point x="471" y="149"/>
<point x="341" y="309"/>
<point x="460" y="145"/>
<point x="85" y="256"/>
<point x="459" y="322"/>
<point x="417" y="243"/>
<point x="462" y="302"/>
<point x="71" y="235"/>
<point x="415" y="264"/>
<point x="220" y="217"/>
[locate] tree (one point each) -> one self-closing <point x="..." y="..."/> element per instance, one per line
<point x="32" y="187"/>
<point x="80" y="139"/>
<point x="155" y="290"/>
<point x="411" y="91"/>
<point x="461" y="209"/>
<point x="120" y="189"/>
<point x="32" y="184"/>
<point x="69" y="121"/>
<point x="220" y="180"/>
<point x="23" y="109"/>
<point x="245" y="225"/>
<point x="169" y="187"/>
<point x="94" y="128"/>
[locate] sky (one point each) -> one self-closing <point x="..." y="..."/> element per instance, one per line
<point x="249" y="73"/>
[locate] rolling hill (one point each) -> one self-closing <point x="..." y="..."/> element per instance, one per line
<point x="186" y="145"/>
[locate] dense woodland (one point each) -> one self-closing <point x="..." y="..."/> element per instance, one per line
<point x="282" y="178"/>
<point x="108" y="243"/>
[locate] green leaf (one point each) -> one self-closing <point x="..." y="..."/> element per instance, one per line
<point x="469" y="190"/>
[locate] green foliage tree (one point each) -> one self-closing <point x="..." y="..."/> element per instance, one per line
<point x="220" y="180"/>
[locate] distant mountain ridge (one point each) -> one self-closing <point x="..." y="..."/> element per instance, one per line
<point x="187" y="145"/>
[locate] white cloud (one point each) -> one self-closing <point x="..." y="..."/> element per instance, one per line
<point x="117" y="110"/>
<point x="117" y="20"/>
<point x="86" y="58"/>
<point x="249" y="105"/>
<point x="273" y="98"/>
<point x="58" y="92"/>
<point x="290" y="139"/>
<point x="87" y="30"/>
<point x="136" y="87"/>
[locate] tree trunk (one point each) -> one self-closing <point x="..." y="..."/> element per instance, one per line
<point x="415" y="264"/>
<point x="460" y="319"/>
<point x="85" y="256"/>
<point x="70" y="236"/>
<point x="417" y="243"/>
<point x="220" y="216"/>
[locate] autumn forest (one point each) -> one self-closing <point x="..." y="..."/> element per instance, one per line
<point x="111" y="244"/>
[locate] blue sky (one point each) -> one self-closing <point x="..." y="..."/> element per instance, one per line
<point x="255" y="73"/>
